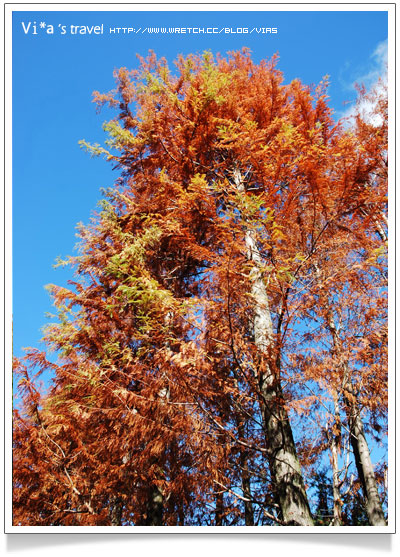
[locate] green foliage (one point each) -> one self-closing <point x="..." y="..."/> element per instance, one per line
<point x="95" y="150"/>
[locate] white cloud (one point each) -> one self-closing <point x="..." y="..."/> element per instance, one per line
<point x="374" y="80"/>
<point x="379" y="67"/>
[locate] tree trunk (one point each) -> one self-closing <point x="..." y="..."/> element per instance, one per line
<point x="335" y="448"/>
<point x="282" y="457"/>
<point x="116" y="512"/>
<point x="373" y="504"/>
<point x="154" y="507"/>
<point x="246" y="483"/>
<point x="365" y="469"/>
<point x="219" y="508"/>
<point x="155" y="499"/>
<point x="248" y="505"/>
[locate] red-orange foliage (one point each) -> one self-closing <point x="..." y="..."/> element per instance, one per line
<point x="167" y="388"/>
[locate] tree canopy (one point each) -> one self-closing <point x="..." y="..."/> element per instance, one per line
<point x="222" y="348"/>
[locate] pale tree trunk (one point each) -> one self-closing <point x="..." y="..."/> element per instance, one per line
<point x="365" y="469"/>
<point x="337" y="503"/>
<point x="335" y="448"/>
<point x="282" y="457"/>
<point x="364" y="465"/>
<point x="379" y="228"/>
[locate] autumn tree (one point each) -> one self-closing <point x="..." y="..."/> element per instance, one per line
<point x="352" y="339"/>
<point x="242" y="217"/>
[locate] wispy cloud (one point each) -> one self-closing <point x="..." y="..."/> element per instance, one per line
<point x="378" y="69"/>
<point x="375" y="79"/>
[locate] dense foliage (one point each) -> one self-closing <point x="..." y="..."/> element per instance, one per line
<point x="222" y="351"/>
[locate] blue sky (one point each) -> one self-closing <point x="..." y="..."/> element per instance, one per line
<point x="56" y="184"/>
